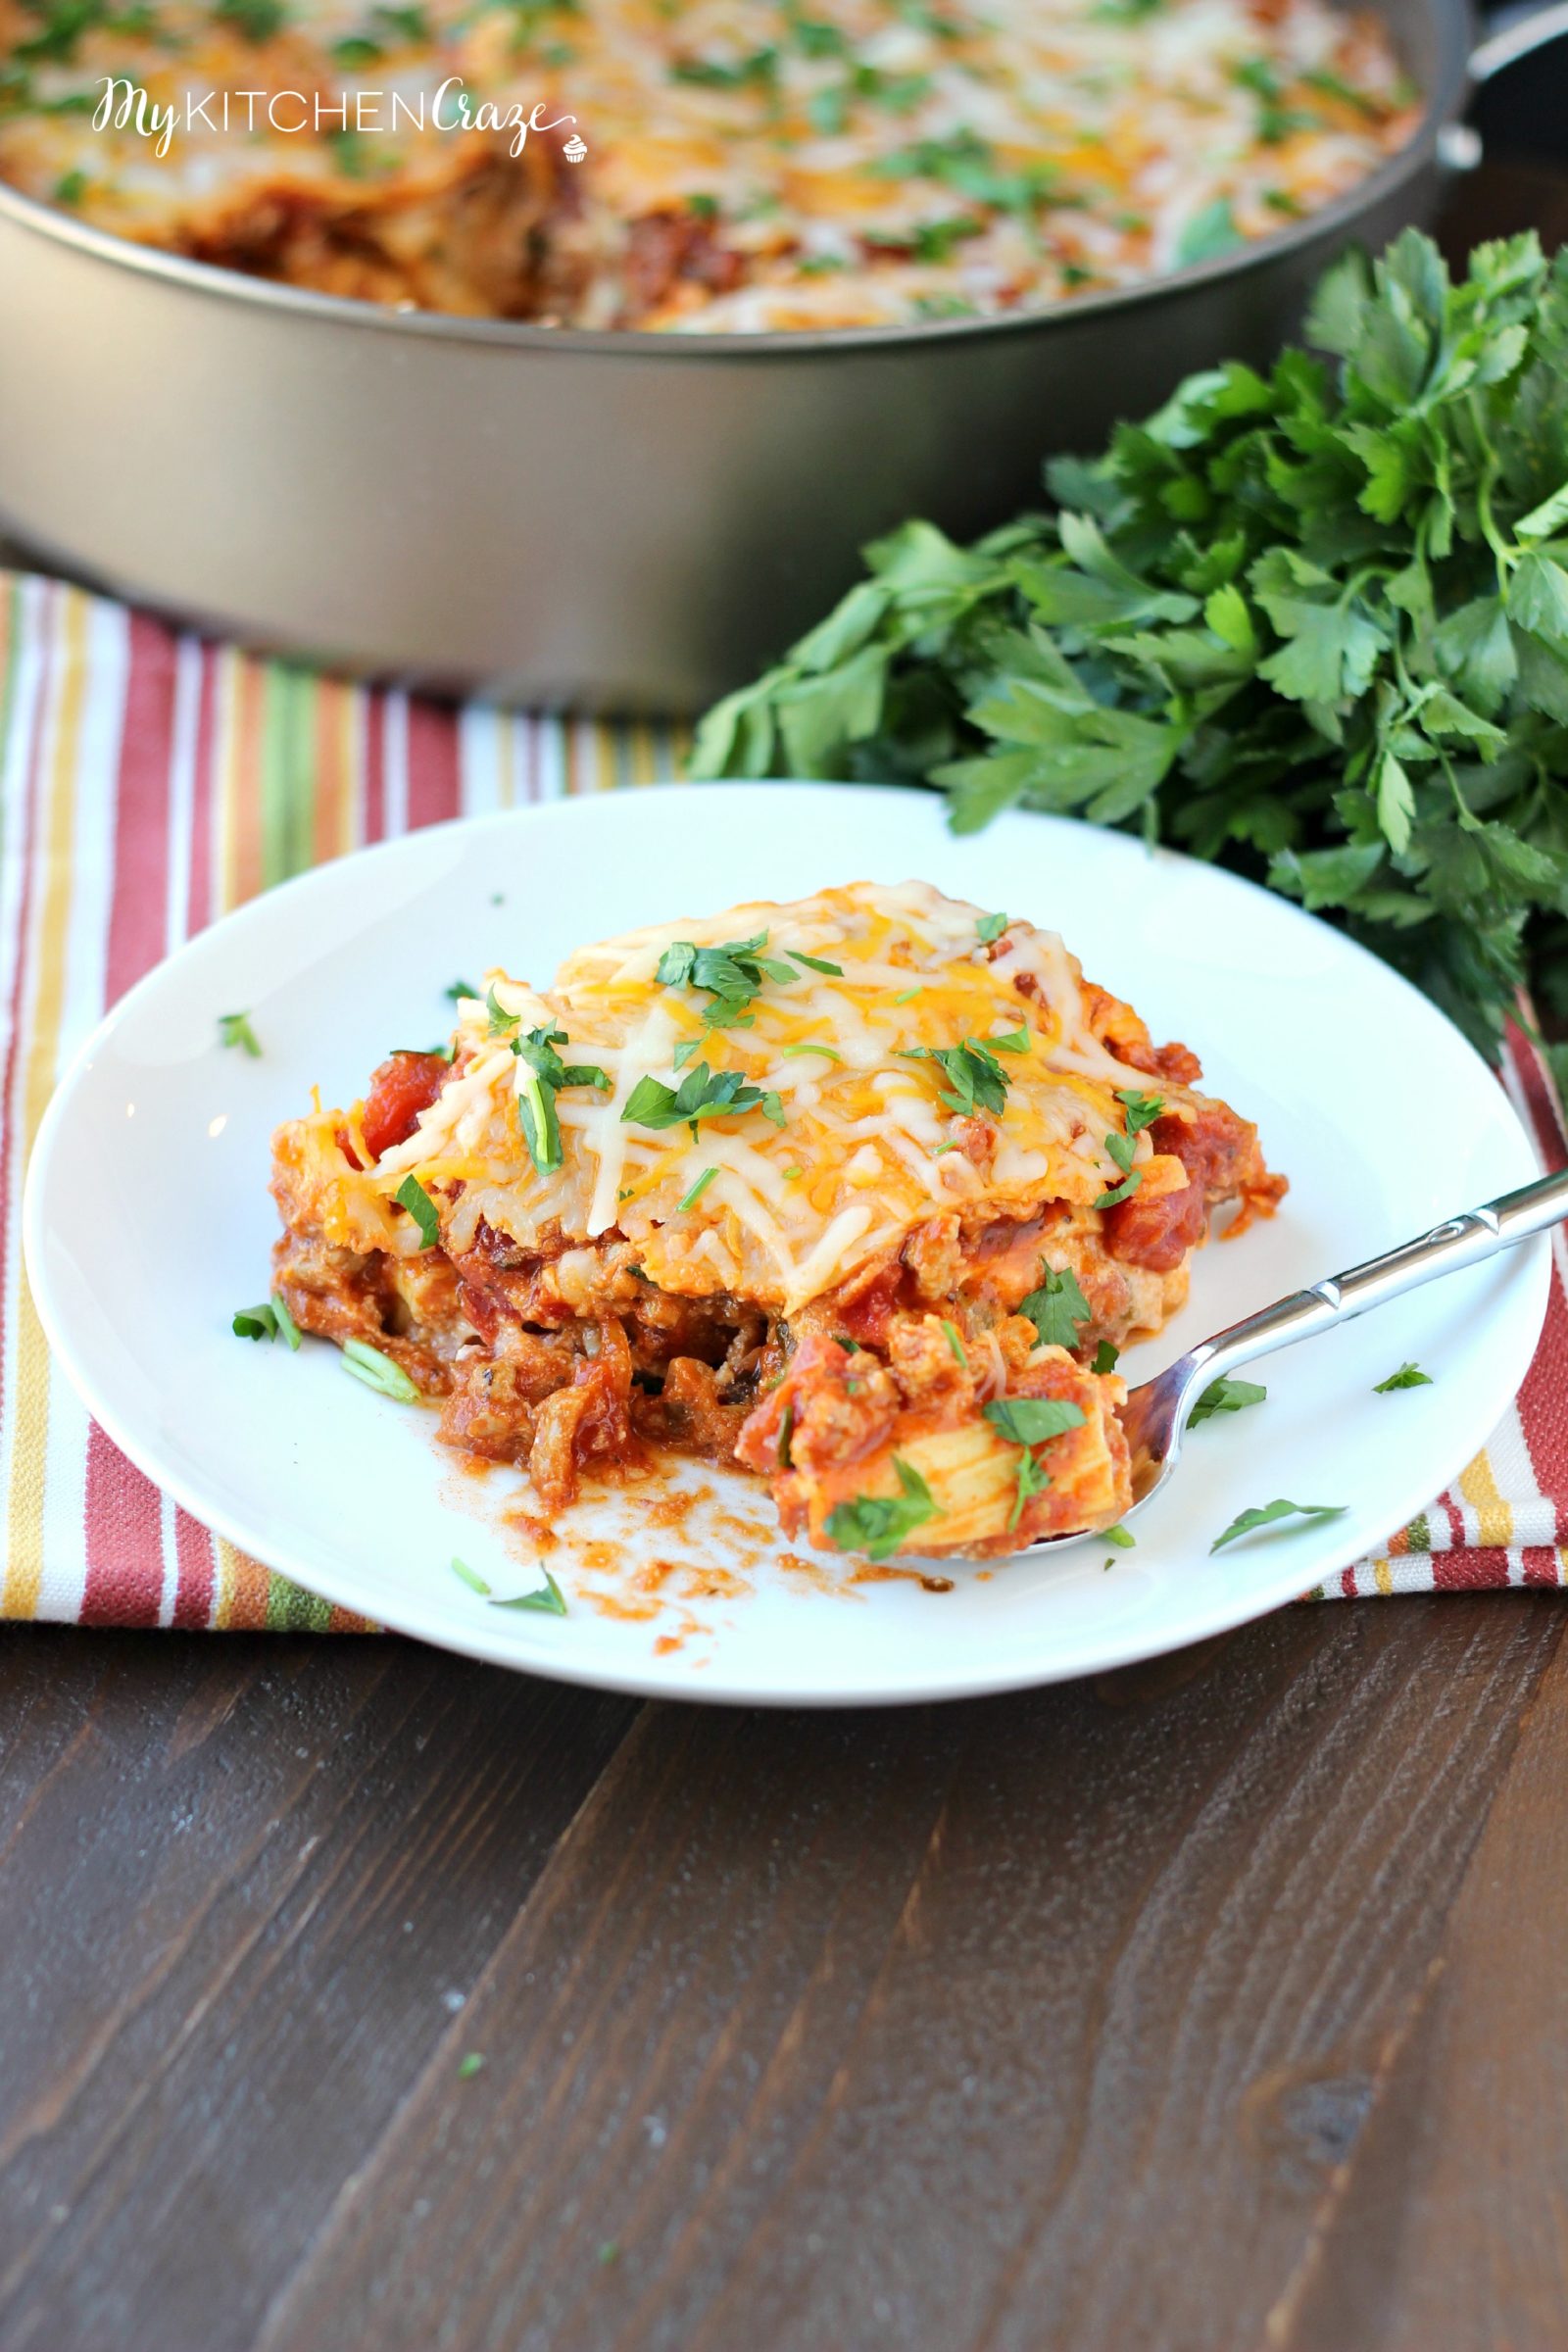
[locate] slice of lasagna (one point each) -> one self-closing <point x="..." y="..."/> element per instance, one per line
<point x="863" y="1193"/>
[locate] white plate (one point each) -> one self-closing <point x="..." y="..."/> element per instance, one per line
<point x="148" y="1223"/>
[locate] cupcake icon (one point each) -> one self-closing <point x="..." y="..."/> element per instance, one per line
<point x="576" y="149"/>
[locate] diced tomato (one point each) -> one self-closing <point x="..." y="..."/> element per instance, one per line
<point x="866" y="1317"/>
<point x="405" y="1084"/>
<point x="1156" y="1233"/>
<point x="1216" y="1148"/>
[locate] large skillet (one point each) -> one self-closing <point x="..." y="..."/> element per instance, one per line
<point x="607" y="520"/>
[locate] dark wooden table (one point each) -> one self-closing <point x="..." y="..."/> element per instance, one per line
<point x="1219" y="2003"/>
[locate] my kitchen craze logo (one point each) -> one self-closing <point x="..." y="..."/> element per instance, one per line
<point x="126" y="106"/>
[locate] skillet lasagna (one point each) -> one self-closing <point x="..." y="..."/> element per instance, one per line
<point x="715" y="165"/>
<point x="864" y="1193"/>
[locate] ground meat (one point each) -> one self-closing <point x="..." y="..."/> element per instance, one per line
<point x="589" y="1422"/>
<point x="935" y="1257"/>
<point x="930" y="1373"/>
<point x="688" y="1412"/>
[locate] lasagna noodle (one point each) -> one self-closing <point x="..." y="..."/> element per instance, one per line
<point x="919" y="1167"/>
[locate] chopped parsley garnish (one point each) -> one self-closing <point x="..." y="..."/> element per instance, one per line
<point x="1142" y="1111"/>
<point x="356" y="51"/>
<point x="703" y="208"/>
<point x="1029" y="1479"/>
<point x="954" y="1343"/>
<point x="714" y="74"/>
<point x="1058" y="1308"/>
<point x="967" y="163"/>
<point x="401" y="23"/>
<point x="991" y="926"/>
<point x="786" y="1431"/>
<point x="826" y="1051"/>
<point x="546" y="1076"/>
<point x="412" y="1196"/>
<point x="1120" y="1538"/>
<point x="1031" y="1420"/>
<point x="816" y="963"/>
<point x="1408" y="1376"/>
<point x="379" y="1371"/>
<point x="976" y="1080"/>
<point x="1106" y="1358"/>
<point x="877" y="1524"/>
<point x="731" y="974"/>
<point x="234" y="1029"/>
<point x="252" y="19"/>
<point x="69" y="189"/>
<point x="1210" y="232"/>
<point x="1226" y="1396"/>
<point x="267" y="1322"/>
<point x="909" y="996"/>
<point x="468" y="1576"/>
<point x="463" y="988"/>
<point x="928" y="241"/>
<point x="547" y="1598"/>
<point x="470" y="2065"/>
<point x="1264" y="1514"/>
<point x="702" y="1094"/>
<point x="698" y="1189"/>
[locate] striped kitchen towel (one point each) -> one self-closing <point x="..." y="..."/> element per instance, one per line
<point x="151" y="781"/>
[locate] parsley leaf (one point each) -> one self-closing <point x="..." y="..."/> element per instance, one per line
<point x="1142" y="1111"/>
<point x="816" y="964"/>
<point x="1408" y="1376"/>
<point x="698" y="1189"/>
<point x="1106" y="1358"/>
<point x="731" y="975"/>
<point x="412" y="1196"/>
<point x="1029" y="1479"/>
<point x="234" y="1029"/>
<point x="470" y="1577"/>
<point x="542" y="1078"/>
<point x="1264" y="1514"/>
<point x="877" y="1524"/>
<point x="460" y="989"/>
<point x="954" y="1343"/>
<point x="702" y="1094"/>
<point x="976" y="1080"/>
<point x="379" y="1371"/>
<point x="547" y="1598"/>
<point x="1225" y="1395"/>
<point x="991" y="926"/>
<point x="256" y="1323"/>
<point x="1058" y="1308"/>
<point x="1031" y="1420"/>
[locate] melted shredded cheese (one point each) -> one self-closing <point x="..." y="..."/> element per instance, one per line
<point x="868" y="1149"/>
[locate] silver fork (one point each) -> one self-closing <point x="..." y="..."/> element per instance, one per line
<point x="1156" y="1413"/>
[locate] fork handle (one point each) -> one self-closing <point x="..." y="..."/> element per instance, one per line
<point x="1462" y="1241"/>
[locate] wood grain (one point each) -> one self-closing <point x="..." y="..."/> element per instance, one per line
<point x="1047" y="2021"/>
<point x="1214" y="2004"/>
<point x="243" y="1880"/>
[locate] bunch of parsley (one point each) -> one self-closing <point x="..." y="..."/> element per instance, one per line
<point x="1312" y="624"/>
